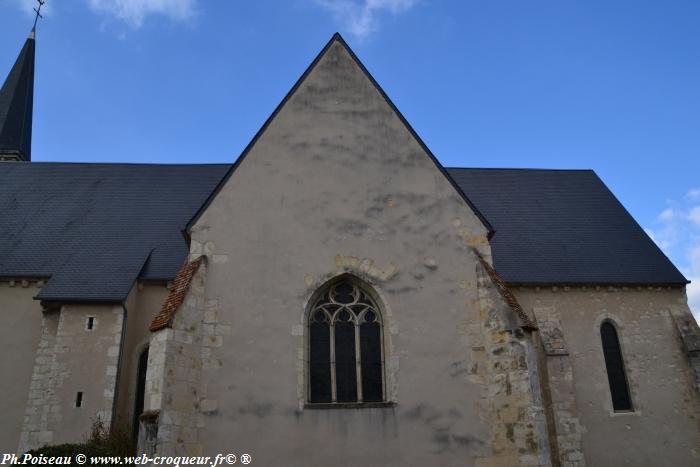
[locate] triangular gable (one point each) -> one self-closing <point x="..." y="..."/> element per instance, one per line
<point x="338" y="38"/>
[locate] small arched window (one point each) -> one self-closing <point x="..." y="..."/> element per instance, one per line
<point x="615" y="367"/>
<point x="345" y="346"/>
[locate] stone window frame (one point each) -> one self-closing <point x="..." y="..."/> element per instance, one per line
<point x="387" y="357"/>
<point x="618" y="324"/>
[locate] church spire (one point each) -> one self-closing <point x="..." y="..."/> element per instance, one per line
<point x="16" y="106"/>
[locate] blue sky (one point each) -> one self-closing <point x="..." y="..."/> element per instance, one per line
<point x="612" y="86"/>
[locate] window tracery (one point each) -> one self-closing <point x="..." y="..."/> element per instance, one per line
<point x="345" y="346"/>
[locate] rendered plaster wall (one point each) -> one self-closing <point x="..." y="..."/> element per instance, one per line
<point x="337" y="184"/>
<point x="20" y="330"/>
<point x="142" y="305"/>
<point x="664" y="428"/>
<point x="72" y="359"/>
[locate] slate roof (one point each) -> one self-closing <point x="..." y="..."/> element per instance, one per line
<point x="563" y="227"/>
<point x="94" y="228"/>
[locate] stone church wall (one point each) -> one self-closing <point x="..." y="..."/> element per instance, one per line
<point x="68" y="358"/>
<point x="185" y="356"/>
<point x="175" y="398"/>
<point x="73" y="359"/>
<point x="505" y="364"/>
<point x="20" y="331"/>
<point x="186" y="362"/>
<point x="664" y="427"/>
<point x="337" y="185"/>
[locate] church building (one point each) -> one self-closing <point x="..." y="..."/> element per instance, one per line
<point x="336" y="296"/>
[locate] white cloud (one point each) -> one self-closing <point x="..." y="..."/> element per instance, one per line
<point x="694" y="257"/>
<point x="667" y="214"/>
<point x="666" y="236"/>
<point x="360" y="17"/>
<point x="677" y="232"/>
<point x="693" y="288"/>
<point x="694" y="215"/>
<point x="693" y="194"/>
<point x="693" y="291"/>
<point x="134" y="12"/>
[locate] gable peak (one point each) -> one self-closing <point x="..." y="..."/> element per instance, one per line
<point x="328" y="51"/>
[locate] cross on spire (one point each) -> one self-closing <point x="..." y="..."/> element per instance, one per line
<point x="38" y="13"/>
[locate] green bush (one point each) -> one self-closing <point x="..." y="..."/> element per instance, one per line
<point x="101" y="442"/>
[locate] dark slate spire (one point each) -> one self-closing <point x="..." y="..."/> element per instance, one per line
<point x="16" y="103"/>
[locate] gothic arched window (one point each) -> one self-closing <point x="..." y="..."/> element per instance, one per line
<point x="345" y="346"/>
<point x="615" y="367"/>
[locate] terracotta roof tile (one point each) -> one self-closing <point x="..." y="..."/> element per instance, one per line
<point x="178" y="290"/>
<point x="507" y="295"/>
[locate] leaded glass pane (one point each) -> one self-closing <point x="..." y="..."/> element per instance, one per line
<point x="345" y="365"/>
<point x="320" y="362"/>
<point x="343" y="293"/>
<point x="371" y="360"/>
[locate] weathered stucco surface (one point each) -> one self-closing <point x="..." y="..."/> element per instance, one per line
<point x="20" y="329"/>
<point x="664" y="428"/>
<point x="143" y="304"/>
<point x="73" y="359"/>
<point x="68" y="358"/>
<point x="337" y="184"/>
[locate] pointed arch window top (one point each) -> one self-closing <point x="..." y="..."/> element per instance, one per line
<point x="344" y="302"/>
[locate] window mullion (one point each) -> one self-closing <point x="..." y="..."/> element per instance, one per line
<point x="358" y="362"/>
<point x="381" y="359"/>
<point x="332" y="340"/>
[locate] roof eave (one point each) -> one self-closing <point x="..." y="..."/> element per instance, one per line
<point x="80" y="300"/>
